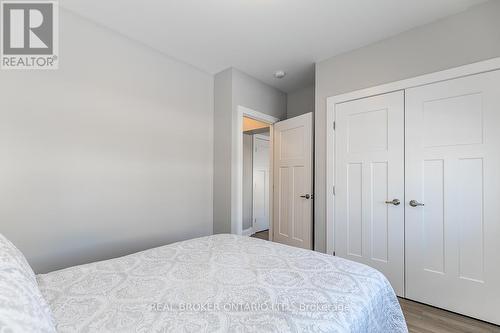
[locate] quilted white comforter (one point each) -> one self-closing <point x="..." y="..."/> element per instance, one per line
<point x="222" y="283"/>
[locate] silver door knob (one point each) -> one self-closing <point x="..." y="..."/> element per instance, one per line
<point x="306" y="196"/>
<point x="415" y="203"/>
<point x="394" y="202"/>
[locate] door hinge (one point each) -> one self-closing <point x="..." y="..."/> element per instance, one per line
<point x="334" y="126"/>
<point x="333" y="253"/>
<point x="333" y="190"/>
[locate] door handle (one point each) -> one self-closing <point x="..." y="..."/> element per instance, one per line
<point x="415" y="203"/>
<point x="306" y="196"/>
<point x="394" y="202"/>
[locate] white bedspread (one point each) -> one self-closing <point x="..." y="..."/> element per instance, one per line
<point x="222" y="283"/>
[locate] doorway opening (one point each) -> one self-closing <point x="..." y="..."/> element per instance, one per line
<point x="256" y="171"/>
<point x="252" y="181"/>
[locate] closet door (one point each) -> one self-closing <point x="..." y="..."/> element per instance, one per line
<point x="453" y="195"/>
<point x="369" y="184"/>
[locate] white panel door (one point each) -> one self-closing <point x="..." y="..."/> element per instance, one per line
<point x="293" y="182"/>
<point x="369" y="184"/>
<point x="261" y="153"/>
<point x="453" y="176"/>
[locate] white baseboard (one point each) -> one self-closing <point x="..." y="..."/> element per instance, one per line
<point x="248" y="232"/>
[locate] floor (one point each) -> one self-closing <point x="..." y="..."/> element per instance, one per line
<point x="422" y="318"/>
<point x="262" y="235"/>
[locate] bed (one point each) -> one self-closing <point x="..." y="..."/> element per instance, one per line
<point x="220" y="283"/>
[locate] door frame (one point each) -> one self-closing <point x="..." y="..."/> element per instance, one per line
<point x="237" y="166"/>
<point x="332" y="101"/>
<point x="268" y="139"/>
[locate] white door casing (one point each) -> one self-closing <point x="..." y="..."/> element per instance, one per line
<point x="448" y="74"/>
<point x="293" y="181"/>
<point x="369" y="175"/>
<point x="237" y="165"/>
<point x="454" y="289"/>
<point x="261" y="192"/>
<point x="453" y="168"/>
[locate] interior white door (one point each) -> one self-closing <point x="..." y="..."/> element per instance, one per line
<point x="261" y="153"/>
<point x="369" y="184"/>
<point x="453" y="170"/>
<point x="292" y="177"/>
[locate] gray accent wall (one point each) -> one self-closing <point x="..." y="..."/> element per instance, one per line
<point x="223" y="108"/>
<point x="256" y="95"/>
<point x="234" y="88"/>
<point x="464" y="38"/>
<point x="300" y="102"/>
<point x="110" y="154"/>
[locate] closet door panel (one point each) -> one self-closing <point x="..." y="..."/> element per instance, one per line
<point x="369" y="174"/>
<point x="452" y="168"/>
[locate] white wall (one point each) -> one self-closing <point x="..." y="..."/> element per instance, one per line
<point x="234" y="88"/>
<point x="464" y="38"/>
<point x="110" y="154"/>
<point x="300" y="102"/>
<point x="247" y="181"/>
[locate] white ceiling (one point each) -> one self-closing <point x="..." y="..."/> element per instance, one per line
<point x="262" y="36"/>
